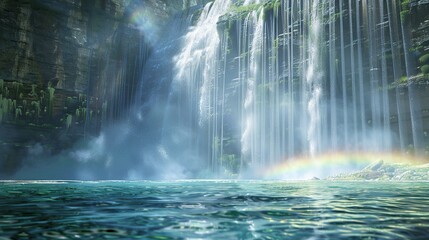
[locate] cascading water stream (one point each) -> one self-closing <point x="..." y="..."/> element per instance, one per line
<point x="196" y="75"/>
<point x="266" y="81"/>
<point x="313" y="80"/>
<point x="249" y="136"/>
<point x="198" y="56"/>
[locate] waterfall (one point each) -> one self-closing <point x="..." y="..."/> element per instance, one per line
<point x="263" y="81"/>
<point x="249" y="136"/>
<point x="313" y="80"/>
<point x="199" y="57"/>
<point x="197" y="77"/>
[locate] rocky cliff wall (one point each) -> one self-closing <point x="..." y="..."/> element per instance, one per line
<point x="69" y="66"/>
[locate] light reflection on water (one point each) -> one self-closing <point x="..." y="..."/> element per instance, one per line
<point x="214" y="210"/>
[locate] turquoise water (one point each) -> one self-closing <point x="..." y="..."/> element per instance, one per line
<point x="214" y="210"/>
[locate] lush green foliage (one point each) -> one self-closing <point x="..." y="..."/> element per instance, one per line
<point x="405" y="5"/>
<point x="424" y="59"/>
<point x="405" y="9"/>
<point x="425" y="69"/>
<point x="236" y="9"/>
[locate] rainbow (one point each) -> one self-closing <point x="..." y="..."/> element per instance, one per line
<point x="331" y="164"/>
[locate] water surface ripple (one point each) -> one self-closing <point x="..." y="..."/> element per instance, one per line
<point x="213" y="210"/>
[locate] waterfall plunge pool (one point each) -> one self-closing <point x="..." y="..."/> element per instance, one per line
<point x="214" y="209"/>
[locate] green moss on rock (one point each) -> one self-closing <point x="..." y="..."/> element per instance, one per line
<point x="425" y="69"/>
<point x="424" y="59"/>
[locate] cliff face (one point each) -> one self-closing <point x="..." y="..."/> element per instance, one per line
<point x="69" y="66"/>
